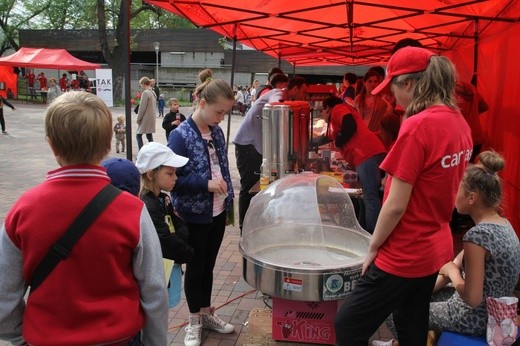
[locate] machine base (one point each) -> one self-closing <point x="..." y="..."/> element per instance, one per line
<point x="304" y="322"/>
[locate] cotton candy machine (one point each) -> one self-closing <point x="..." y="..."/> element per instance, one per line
<point x="301" y="240"/>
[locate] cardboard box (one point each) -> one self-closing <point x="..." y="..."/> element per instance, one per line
<point x="304" y="322"/>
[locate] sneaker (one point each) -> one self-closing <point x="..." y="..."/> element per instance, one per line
<point x="4" y="132"/>
<point x="383" y="343"/>
<point x="117" y="151"/>
<point x="193" y="332"/>
<point x="213" y="322"/>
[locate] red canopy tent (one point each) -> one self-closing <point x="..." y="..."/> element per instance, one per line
<point x="46" y="58"/>
<point x="480" y="36"/>
<point x="41" y="58"/>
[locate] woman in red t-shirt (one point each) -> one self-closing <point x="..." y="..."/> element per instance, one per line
<point x="412" y="238"/>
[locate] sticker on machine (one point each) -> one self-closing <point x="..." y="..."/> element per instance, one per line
<point x="295" y="285"/>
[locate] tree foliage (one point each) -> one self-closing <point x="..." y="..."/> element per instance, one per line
<point x="103" y="15"/>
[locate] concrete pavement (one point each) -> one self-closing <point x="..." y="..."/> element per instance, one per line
<point x="26" y="158"/>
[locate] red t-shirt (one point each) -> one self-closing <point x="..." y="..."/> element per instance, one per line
<point x="43" y="82"/>
<point x="363" y="145"/>
<point x="64" y="83"/>
<point x="30" y="79"/>
<point x="431" y="153"/>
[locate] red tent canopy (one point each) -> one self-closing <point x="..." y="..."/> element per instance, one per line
<point x="341" y="32"/>
<point x="480" y="36"/>
<point x="46" y="58"/>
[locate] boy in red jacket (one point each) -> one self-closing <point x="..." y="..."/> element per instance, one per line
<point x="110" y="289"/>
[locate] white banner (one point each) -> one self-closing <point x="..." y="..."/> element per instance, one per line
<point x="104" y="86"/>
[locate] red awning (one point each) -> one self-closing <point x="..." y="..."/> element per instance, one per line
<point x="341" y="32"/>
<point x="46" y="58"/>
<point x="479" y="35"/>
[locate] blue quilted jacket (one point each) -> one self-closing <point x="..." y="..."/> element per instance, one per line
<point x="191" y="197"/>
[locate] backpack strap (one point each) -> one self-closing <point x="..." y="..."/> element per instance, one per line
<point x="62" y="247"/>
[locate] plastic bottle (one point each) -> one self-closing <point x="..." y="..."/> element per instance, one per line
<point x="274" y="173"/>
<point x="264" y="175"/>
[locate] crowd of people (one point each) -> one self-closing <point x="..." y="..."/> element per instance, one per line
<point x="403" y="127"/>
<point x="49" y="89"/>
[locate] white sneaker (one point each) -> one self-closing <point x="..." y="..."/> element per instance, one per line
<point x="193" y="332"/>
<point x="213" y="322"/>
<point x="383" y="343"/>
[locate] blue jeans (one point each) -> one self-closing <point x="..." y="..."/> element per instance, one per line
<point x="370" y="177"/>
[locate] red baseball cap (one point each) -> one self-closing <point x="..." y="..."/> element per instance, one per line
<point x="405" y="60"/>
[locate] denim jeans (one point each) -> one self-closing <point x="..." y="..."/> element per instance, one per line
<point x="370" y="177"/>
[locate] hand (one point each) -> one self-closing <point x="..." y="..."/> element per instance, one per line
<point x="371" y="255"/>
<point x="218" y="186"/>
<point x="448" y="268"/>
<point x="176" y="122"/>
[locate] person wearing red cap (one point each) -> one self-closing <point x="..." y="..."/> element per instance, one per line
<point x="412" y="239"/>
<point x="361" y="148"/>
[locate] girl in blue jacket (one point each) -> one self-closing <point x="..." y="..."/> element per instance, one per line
<point x="202" y="196"/>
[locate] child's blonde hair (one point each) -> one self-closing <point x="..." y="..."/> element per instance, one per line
<point x="120" y="117"/>
<point x="79" y="126"/>
<point x="172" y="100"/>
<point x="147" y="183"/>
<point x="483" y="178"/>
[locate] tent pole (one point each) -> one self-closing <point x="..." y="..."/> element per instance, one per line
<point x="233" y="60"/>
<point x="126" y="72"/>
<point x="475" y="55"/>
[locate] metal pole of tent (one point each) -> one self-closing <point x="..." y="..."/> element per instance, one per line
<point x="126" y="72"/>
<point x="232" y="82"/>
<point x="475" y="55"/>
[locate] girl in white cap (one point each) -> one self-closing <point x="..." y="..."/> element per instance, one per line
<point x="157" y="164"/>
<point x="412" y="238"/>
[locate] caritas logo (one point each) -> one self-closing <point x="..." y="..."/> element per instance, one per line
<point x="301" y="330"/>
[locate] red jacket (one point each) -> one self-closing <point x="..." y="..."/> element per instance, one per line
<point x="96" y="295"/>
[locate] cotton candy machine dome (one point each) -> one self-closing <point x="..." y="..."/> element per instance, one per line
<point x="301" y="239"/>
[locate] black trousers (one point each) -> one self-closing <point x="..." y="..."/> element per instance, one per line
<point x="139" y="138"/>
<point x="248" y="164"/>
<point x="377" y="294"/>
<point x="2" y="120"/>
<point x="198" y="280"/>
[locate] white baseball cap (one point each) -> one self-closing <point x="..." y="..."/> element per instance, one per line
<point x="153" y="155"/>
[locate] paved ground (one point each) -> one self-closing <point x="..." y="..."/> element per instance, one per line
<point x="26" y="158"/>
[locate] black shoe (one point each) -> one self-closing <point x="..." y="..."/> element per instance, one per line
<point x="117" y="151"/>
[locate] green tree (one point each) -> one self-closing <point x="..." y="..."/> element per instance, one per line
<point x="142" y="16"/>
<point x="13" y="18"/>
<point x="103" y="15"/>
